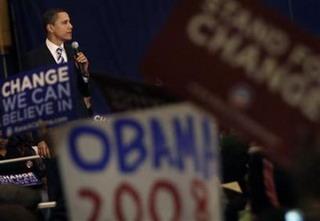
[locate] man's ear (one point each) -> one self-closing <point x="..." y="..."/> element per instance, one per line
<point x="49" y="28"/>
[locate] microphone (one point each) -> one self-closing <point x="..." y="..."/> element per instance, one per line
<point x="76" y="48"/>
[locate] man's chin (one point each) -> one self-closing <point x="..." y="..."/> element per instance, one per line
<point x="68" y="38"/>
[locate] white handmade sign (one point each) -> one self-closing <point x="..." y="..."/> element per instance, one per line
<point x="156" y="164"/>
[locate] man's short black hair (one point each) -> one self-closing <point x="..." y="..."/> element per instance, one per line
<point x="50" y="16"/>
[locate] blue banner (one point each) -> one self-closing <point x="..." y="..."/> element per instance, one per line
<point x="25" y="179"/>
<point x="42" y="96"/>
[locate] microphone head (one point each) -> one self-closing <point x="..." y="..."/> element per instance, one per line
<point x="75" y="45"/>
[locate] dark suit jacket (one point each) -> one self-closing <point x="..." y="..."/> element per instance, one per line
<point x="38" y="58"/>
<point x="42" y="57"/>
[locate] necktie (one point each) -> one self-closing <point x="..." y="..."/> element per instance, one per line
<point x="60" y="59"/>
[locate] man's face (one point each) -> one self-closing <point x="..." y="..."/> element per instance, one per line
<point x="61" y="29"/>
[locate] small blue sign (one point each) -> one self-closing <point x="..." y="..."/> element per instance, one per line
<point x="40" y="96"/>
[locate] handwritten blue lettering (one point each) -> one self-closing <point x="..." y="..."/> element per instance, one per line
<point x="134" y="146"/>
<point x="78" y="159"/>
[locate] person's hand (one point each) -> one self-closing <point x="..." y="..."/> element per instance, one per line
<point x="43" y="149"/>
<point x="87" y="102"/>
<point x="82" y="63"/>
<point x="3" y="144"/>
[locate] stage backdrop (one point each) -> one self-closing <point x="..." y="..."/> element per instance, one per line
<point x="115" y="33"/>
<point x="305" y="13"/>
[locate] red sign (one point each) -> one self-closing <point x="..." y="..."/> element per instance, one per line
<point x="254" y="70"/>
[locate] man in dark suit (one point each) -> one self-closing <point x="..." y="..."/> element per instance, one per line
<point x="55" y="51"/>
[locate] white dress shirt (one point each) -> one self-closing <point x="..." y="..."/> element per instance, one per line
<point x="53" y="50"/>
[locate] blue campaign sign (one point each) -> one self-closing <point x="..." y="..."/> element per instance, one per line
<point x="38" y="96"/>
<point x="24" y="179"/>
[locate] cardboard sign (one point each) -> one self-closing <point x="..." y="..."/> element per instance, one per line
<point x="42" y="95"/>
<point x="157" y="164"/>
<point x="255" y="71"/>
